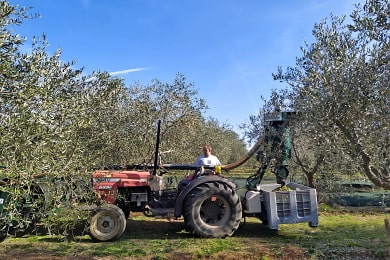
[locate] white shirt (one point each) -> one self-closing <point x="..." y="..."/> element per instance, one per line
<point x="211" y="160"/>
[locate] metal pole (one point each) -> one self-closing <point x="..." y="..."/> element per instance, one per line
<point x="157" y="148"/>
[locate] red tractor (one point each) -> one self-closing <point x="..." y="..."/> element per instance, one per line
<point x="210" y="204"/>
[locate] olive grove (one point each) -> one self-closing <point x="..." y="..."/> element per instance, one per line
<point x="58" y="123"/>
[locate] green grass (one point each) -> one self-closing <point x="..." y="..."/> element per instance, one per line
<point x="341" y="235"/>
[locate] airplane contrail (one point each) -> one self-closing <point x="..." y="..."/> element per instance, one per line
<point x="126" y="71"/>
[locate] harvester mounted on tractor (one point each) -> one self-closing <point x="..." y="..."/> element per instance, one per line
<point x="211" y="205"/>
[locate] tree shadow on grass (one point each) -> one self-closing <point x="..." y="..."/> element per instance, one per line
<point x="54" y="233"/>
<point x="151" y="228"/>
<point x="255" y="230"/>
<point x="155" y="229"/>
<point x="176" y="229"/>
<point x="135" y="229"/>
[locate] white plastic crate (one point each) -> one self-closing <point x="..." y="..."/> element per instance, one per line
<point x="297" y="205"/>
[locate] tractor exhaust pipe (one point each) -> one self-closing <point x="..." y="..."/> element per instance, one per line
<point x="155" y="165"/>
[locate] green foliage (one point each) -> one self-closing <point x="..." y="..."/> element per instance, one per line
<point x="340" y="88"/>
<point x="57" y="124"/>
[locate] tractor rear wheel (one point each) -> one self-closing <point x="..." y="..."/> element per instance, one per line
<point x="212" y="209"/>
<point x="107" y="224"/>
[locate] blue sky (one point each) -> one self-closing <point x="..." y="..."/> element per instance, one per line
<point x="227" y="48"/>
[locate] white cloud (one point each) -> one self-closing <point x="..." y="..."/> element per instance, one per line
<point x="114" y="73"/>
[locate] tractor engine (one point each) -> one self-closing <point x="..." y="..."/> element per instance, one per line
<point x="162" y="197"/>
<point x="127" y="189"/>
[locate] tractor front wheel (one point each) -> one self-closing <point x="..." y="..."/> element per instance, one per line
<point x="107" y="224"/>
<point x="212" y="209"/>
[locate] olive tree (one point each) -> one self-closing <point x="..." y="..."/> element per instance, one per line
<point x="340" y="87"/>
<point x="46" y="107"/>
<point x="180" y="110"/>
<point x="225" y="143"/>
<point x="131" y="126"/>
<point x="57" y="123"/>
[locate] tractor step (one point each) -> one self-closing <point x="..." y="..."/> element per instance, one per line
<point x="162" y="212"/>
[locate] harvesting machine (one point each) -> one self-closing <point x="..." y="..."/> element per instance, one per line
<point x="211" y="205"/>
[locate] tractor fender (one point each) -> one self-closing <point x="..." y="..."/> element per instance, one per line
<point x="194" y="183"/>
